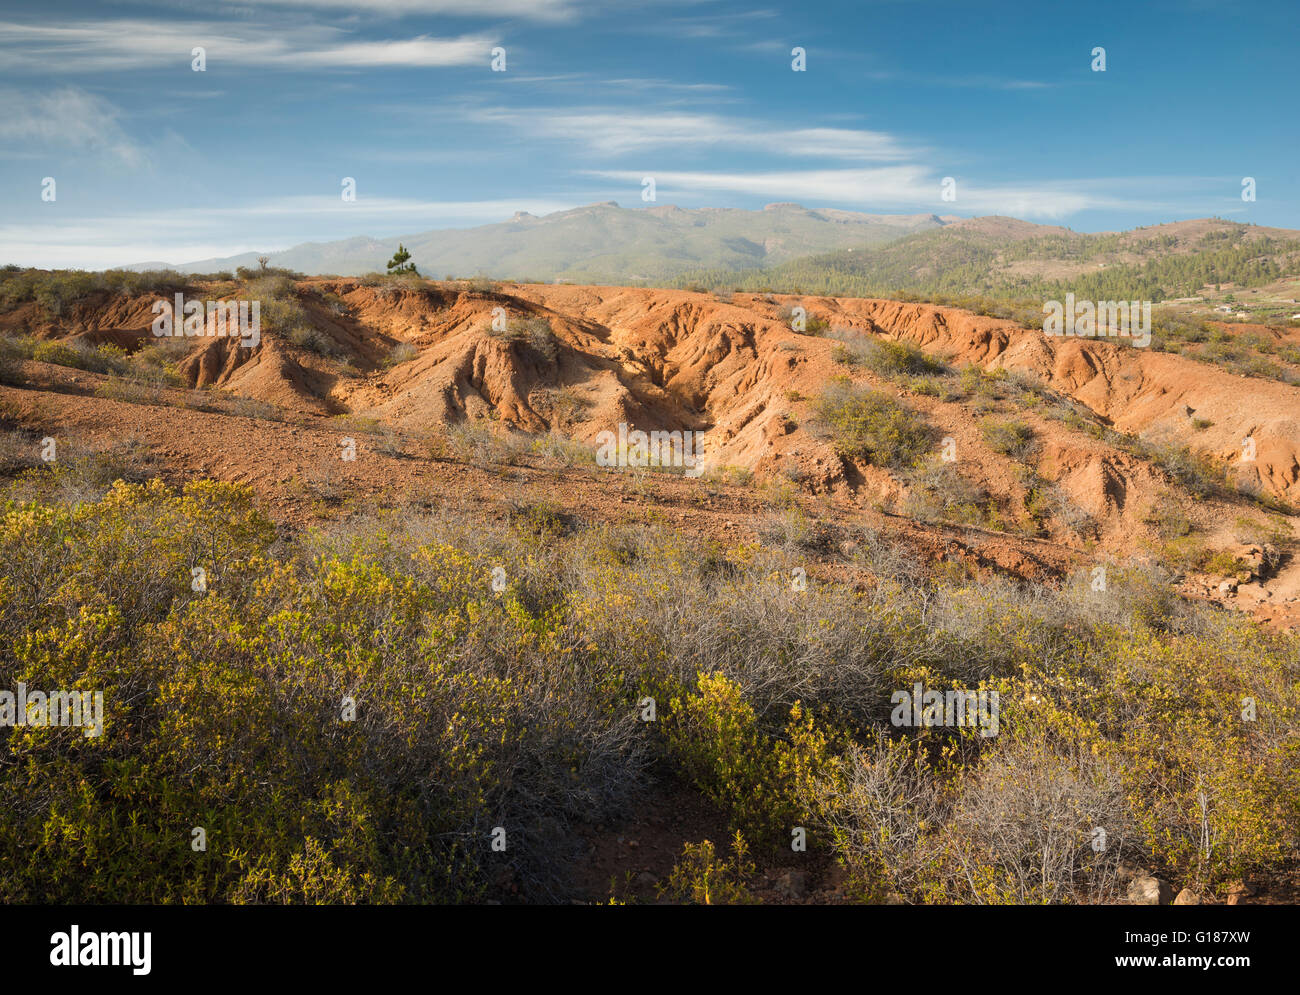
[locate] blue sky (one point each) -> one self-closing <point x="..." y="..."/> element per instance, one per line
<point x="153" y="160"/>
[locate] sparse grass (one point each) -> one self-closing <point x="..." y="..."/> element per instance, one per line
<point x="357" y="423"/>
<point x="793" y="531"/>
<point x="513" y="330"/>
<point x="19" y="450"/>
<point x="811" y="323"/>
<point x="481" y="444"/>
<point x="541" y="338"/>
<point x="1168" y="518"/>
<point x="556" y="450"/>
<point x="736" y="476"/>
<point x="1249" y="355"/>
<point x="133" y="390"/>
<point x="324" y="481"/>
<point x="403" y="352"/>
<point x="13" y="350"/>
<point x="873" y="426"/>
<point x="541" y="519"/>
<point x="562" y="408"/>
<point x="534" y="331"/>
<point x="891" y="360"/>
<point x="1013" y="439"/>
<point x="1223" y="564"/>
<point x="282" y="314"/>
<point x="482" y="285"/>
<point x="79" y="473"/>
<point x="1197" y="473"/>
<point x="249" y="407"/>
<point x="1275" y="532"/>
<point x="939" y="491"/>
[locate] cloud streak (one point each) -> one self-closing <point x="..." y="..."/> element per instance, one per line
<point x="533" y="10"/>
<point x="612" y="132"/>
<point x="121" y="45"/>
<point x="906" y="185"/>
<point x="68" y="119"/>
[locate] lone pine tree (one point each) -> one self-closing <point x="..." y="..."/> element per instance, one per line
<point x="399" y="264"/>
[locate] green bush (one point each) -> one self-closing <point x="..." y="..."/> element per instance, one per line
<point x="892" y="360"/>
<point x="54" y="291"/>
<point x="1010" y="438"/>
<point x="873" y="426"/>
<point x="519" y="706"/>
<point x="58" y="354"/>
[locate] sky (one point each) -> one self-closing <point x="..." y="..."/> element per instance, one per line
<point x="153" y="160"/>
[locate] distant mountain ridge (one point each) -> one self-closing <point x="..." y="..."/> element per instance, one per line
<point x="789" y="247"/>
<point x="600" y="243"/>
<point x="1007" y="258"/>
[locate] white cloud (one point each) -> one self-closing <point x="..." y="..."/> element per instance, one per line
<point x="105" y="46"/>
<point x="910" y="186"/>
<point x="710" y="25"/>
<point x="664" y="84"/>
<point x="68" y="118"/>
<point x="534" y="10"/>
<point x="616" y="132"/>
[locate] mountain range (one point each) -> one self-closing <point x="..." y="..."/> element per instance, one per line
<point x="786" y="247"/>
<point x="599" y="243"/>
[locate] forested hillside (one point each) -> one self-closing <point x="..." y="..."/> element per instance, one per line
<point x="977" y="259"/>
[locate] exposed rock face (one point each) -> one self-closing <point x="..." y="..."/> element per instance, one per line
<point x="578" y="361"/>
<point x="677" y="360"/>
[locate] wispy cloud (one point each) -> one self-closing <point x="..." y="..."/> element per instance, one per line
<point x="610" y="131"/>
<point x="905" y="186"/>
<point x="664" y="84"/>
<point x="65" y="119"/>
<point x="725" y="26"/>
<point x="105" y="46"/>
<point x="533" y="10"/>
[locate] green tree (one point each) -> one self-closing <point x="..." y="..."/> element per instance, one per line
<point x="399" y="264"/>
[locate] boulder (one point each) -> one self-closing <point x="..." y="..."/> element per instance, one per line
<point x="1148" y="890"/>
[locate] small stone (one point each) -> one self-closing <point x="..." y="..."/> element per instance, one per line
<point x="792" y="884"/>
<point x="1147" y="890"/>
<point x="1187" y="897"/>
